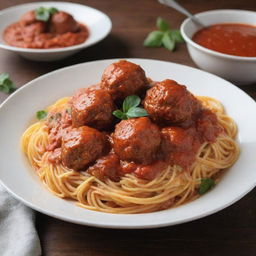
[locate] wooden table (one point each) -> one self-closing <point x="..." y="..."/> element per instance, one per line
<point x="229" y="232"/>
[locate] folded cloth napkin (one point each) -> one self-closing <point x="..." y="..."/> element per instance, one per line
<point x="18" y="236"/>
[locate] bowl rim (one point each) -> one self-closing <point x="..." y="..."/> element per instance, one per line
<point x="55" y="50"/>
<point x="209" y="51"/>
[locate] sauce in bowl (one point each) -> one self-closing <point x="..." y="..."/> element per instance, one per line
<point x="229" y="38"/>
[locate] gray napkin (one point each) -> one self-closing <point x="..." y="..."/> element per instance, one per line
<point x="18" y="236"/>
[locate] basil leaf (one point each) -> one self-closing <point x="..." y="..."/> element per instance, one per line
<point x="6" y="84"/>
<point x="41" y="114"/>
<point x="154" y="39"/>
<point x="4" y="88"/>
<point x="131" y="101"/>
<point x="42" y="14"/>
<point x="53" y="10"/>
<point x="136" y="112"/>
<point x="4" y="77"/>
<point x="168" y="42"/>
<point x="162" y="24"/>
<point x="206" y="184"/>
<point x="119" y="114"/>
<point x="176" y="36"/>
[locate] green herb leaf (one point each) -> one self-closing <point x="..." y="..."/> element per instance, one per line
<point x="162" y="24"/>
<point x="44" y="14"/>
<point x="6" y="84"/>
<point x="131" y="101"/>
<point x="168" y="42"/>
<point x="41" y="114"/>
<point x="176" y="36"/>
<point x="3" y="77"/>
<point x="53" y="10"/>
<point x="130" y="108"/>
<point x="206" y="184"/>
<point x="120" y="114"/>
<point x="154" y="39"/>
<point x="164" y="36"/>
<point x="136" y="112"/>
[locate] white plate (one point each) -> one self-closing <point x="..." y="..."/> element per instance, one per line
<point x="98" y="23"/>
<point x="22" y="182"/>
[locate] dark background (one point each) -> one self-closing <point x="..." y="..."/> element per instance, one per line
<point x="229" y="232"/>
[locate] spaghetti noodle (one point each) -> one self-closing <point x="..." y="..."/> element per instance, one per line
<point x="171" y="187"/>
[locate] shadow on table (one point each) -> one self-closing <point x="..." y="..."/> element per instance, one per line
<point x="229" y="232"/>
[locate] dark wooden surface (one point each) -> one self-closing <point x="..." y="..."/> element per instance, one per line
<point x="229" y="232"/>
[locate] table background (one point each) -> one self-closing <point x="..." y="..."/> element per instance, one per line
<point x="229" y="232"/>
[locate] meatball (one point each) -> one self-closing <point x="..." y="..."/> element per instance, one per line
<point x="180" y="145"/>
<point x="123" y="78"/>
<point x="106" y="167"/>
<point x="207" y="126"/>
<point x="137" y="140"/>
<point x="170" y="103"/>
<point x="62" y="22"/>
<point x="178" y="139"/>
<point x="32" y="30"/>
<point x="82" y="146"/>
<point x="92" y="107"/>
<point x="28" y="18"/>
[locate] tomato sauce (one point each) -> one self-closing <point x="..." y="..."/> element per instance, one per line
<point x="229" y="38"/>
<point x="182" y="150"/>
<point x="19" y="36"/>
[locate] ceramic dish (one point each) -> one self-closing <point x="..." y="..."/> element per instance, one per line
<point x="18" y="111"/>
<point x="240" y="70"/>
<point x="98" y="24"/>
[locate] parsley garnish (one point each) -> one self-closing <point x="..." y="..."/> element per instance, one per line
<point x="164" y="36"/>
<point x="44" y="14"/>
<point x="6" y="84"/>
<point x="130" y="108"/>
<point x="41" y="114"/>
<point x="206" y="184"/>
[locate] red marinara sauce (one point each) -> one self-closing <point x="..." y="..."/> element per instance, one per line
<point x="229" y="38"/>
<point x="61" y="30"/>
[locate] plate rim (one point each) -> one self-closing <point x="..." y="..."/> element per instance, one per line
<point x="125" y="226"/>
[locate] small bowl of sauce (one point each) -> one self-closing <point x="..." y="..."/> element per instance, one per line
<point x="226" y="46"/>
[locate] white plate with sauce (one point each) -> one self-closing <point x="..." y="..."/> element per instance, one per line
<point x="18" y="111"/>
<point x="98" y="24"/>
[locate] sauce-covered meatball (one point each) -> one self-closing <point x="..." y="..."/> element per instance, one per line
<point x="207" y="126"/>
<point x="137" y="140"/>
<point x="106" y="167"/>
<point x="62" y="22"/>
<point x="123" y="78"/>
<point x="82" y="146"/>
<point x="180" y="145"/>
<point x="92" y="107"/>
<point x="28" y="18"/>
<point x="170" y="103"/>
<point x="31" y="26"/>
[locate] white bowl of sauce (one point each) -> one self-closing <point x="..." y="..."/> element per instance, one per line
<point x="226" y="46"/>
<point x="92" y="26"/>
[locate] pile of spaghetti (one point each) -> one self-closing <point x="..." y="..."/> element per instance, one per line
<point x="160" y="156"/>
